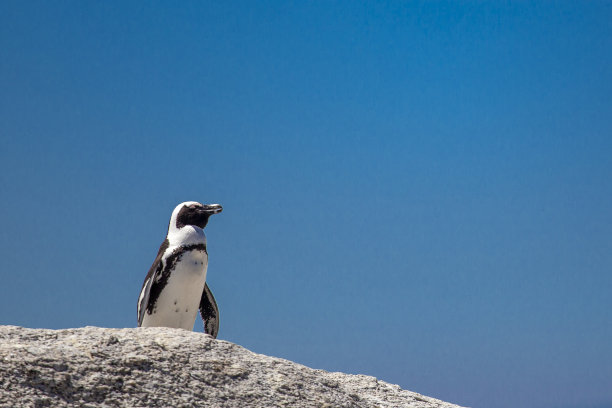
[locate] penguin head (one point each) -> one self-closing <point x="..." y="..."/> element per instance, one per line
<point x="193" y="213"/>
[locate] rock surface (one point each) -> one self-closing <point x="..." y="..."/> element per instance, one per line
<point x="161" y="367"/>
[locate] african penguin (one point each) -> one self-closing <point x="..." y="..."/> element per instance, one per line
<point x="175" y="287"/>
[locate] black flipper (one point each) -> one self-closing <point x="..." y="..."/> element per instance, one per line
<point x="209" y="312"/>
<point x="152" y="279"/>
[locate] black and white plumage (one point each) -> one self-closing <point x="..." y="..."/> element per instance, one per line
<point x="175" y="287"/>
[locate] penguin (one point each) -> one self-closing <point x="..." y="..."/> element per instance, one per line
<point x="175" y="287"/>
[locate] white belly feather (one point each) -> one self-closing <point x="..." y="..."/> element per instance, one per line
<point x="179" y="301"/>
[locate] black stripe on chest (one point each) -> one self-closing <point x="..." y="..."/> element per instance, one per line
<point x="165" y="268"/>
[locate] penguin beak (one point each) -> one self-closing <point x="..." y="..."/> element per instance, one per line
<point x="211" y="209"/>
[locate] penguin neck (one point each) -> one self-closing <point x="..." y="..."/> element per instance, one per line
<point x="187" y="235"/>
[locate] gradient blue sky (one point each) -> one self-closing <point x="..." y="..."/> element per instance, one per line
<point x="418" y="191"/>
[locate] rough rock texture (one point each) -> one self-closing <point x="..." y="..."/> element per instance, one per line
<point x="161" y="367"/>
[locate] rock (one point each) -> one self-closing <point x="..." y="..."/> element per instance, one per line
<point x="162" y="367"/>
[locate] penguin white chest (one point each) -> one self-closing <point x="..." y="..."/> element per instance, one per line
<point x="178" y="302"/>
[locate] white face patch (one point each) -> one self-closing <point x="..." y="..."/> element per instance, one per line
<point x="177" y="209"/>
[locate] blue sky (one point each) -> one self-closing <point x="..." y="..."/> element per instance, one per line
<point x="418" y="191"/>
